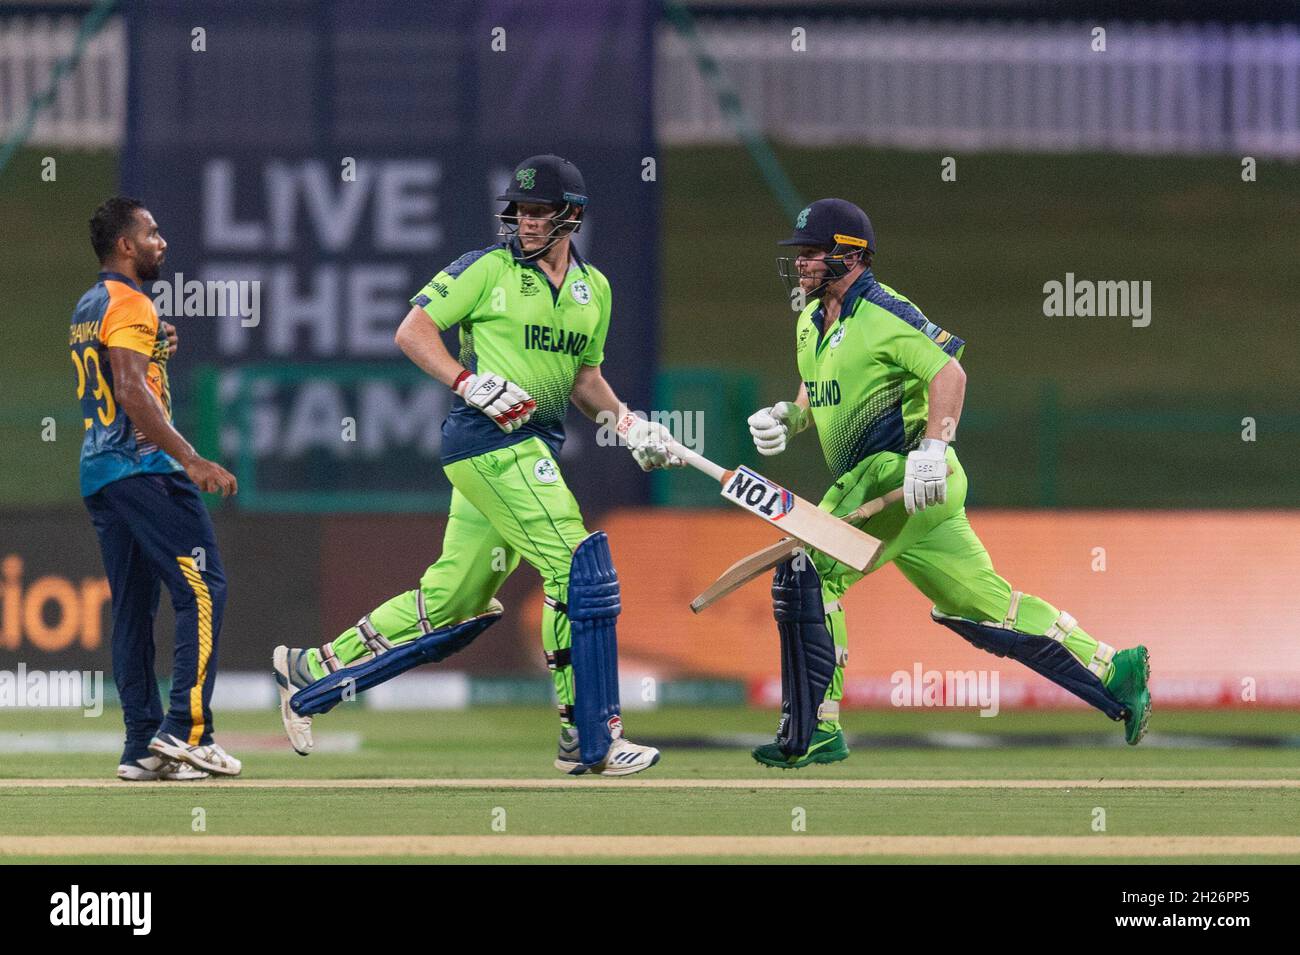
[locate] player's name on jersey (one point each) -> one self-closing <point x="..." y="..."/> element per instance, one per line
<point x="823" y="393"/>
<point x="545" y="338"/>
<point x="84" y="332"/>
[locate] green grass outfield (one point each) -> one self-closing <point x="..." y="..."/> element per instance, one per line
<point x="428" y="787"/>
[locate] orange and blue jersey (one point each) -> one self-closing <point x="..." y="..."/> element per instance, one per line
<point x="115" y="313"/>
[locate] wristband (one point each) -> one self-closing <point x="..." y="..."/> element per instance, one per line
<point x="802" y="417"/>
<point x="796" y="416"/>
<point x="624" y="423"/>
<point x="460" y="379"/>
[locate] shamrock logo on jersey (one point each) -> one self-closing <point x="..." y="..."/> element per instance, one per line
<point x="837" y="337"/>
<point x="527" y="178"/>
<point x="802" y="221"/>
<point x="581" y="292"/>
<point x="545" y="471"/>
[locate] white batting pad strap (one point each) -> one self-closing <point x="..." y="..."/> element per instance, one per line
<point x="423" y="613"/>
<point x="328" y="658"/>
<point x="1101" y="658"/>
<point x="375" y="641"/>
<point x="841" y="657"/>
<point x="829" y="710"/>
<point x="1013" y="610"/>
<point x="1063" y="627"/>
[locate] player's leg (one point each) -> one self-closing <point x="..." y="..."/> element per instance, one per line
<point x="452" y="605"/>
<point x="474" y="563"/>
<point x="937" y="550"/>
<point x="826" y="742"/>
<point x="135" y="590"/>
<point x="176" y="530"/>
<point x="951" y="567"/>
<point x="522" y="492"/>
<point x="813" y="655"/>
<point x="172" y="528"/>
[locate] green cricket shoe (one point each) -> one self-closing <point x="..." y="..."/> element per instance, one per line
<point x="824" y="748"/>
<point x="1132" y="670"/>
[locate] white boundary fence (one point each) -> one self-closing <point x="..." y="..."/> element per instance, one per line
<point x="90" y="110"/>
<point x="1166" y="88"/>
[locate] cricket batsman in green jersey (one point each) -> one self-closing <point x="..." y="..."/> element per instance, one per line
<point x="884" y="389"/>
<point x="532" y="317"/>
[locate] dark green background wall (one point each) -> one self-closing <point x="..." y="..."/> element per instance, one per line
<point x="1060" y="411"/>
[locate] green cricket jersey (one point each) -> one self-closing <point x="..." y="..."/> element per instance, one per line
<point x="515" y="324"/>
<point x="868" y="375"/>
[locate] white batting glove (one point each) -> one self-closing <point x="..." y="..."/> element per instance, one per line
<point x="926" y="480"/>
<point x="771" y="428"/>
<point x="503" y="401"/>
<point x="648" y="441"/>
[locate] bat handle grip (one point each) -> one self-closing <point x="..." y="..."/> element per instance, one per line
<point x="698" y="461"/>
<point x="877" y="504"/>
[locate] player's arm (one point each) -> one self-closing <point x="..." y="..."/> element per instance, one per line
<point x="450" y="297"/>
<point x="500" y="399"/>
<point x="947" y="395"/>
<point x="802" y="398"/>
<point x="593" y="396"/>
<point x="131" y="389"/>
<point x="419" y="340"/>
<point x="648" y="440"/>
<point x="772" y="428"/>
<point x="925" y="480"/>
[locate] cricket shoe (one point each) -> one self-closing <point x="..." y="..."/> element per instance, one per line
<point x="823" y="748"/>
<point x="211" y="758"/>
<point x="567" y="759"/>
<point x="291" y="675"/>
<point x="1129" y="677"/>
<point x="623" y="758"/>
<point x="153" y="768"/>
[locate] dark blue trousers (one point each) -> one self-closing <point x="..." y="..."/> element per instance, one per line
<point x="154" y="531"/>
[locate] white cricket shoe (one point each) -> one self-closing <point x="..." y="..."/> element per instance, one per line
<point x="153" y="768"/>
<point x="285" y="663"/>
<point x="211" y="758"/>
<point x="623" y="758"/>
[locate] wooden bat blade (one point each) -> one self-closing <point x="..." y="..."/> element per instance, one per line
<point x="761" y="561"/>
<point x="802" y="519"/>
<point x="785" y="510"/>
<point x="745" y="570"/>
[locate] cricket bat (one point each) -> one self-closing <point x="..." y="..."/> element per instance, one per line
<point x="797" y="518"/>
<point x="761" y="561"/>
<point x="745" y="570"/>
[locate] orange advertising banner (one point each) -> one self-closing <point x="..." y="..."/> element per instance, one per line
<point x="1214" y="595"/>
